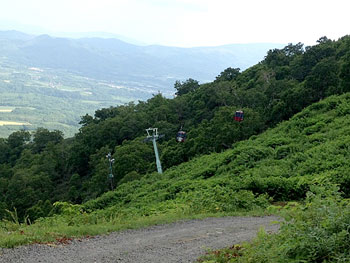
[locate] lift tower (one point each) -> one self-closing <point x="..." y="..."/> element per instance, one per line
<point x="152" y="135"/>
<point x="111" y="161"/>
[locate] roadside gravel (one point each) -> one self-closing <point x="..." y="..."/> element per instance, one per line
<point x="182" y="241"/>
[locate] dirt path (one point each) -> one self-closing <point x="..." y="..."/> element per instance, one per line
<point x="183" y="241"/>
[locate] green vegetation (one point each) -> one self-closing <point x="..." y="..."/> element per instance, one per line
<point x="248" y="177"/>
<point x="315" y="231"/>
<point x="74" y="223"/>
<point x="224" y="167"/>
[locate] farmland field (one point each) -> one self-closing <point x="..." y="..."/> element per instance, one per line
<point x="56" y="99"/>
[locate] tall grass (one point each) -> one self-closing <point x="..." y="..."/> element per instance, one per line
<point x="61" y="227"/>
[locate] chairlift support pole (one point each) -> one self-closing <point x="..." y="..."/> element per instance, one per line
<point x="159" y="166"/>
<point x="152" y="134"/>
<point x="111" y="161"/>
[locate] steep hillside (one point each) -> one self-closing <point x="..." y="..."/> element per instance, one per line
<point x="77" y="169"/>
<point x="279" y="165"/>
<point x="282" y="164"/>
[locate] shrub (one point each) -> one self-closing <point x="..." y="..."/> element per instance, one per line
<point x="316" y="231"/>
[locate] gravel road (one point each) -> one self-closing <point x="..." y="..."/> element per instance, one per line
<point x="182" y="241"/>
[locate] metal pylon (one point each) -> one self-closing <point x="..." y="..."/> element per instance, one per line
<point x="111" y="161"/>
<point x="152" y="135"/>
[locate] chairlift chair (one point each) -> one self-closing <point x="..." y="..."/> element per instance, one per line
<point x="181" y="136"/>
<point x="239" y="115"/>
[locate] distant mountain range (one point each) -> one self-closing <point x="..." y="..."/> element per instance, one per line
<point x="111" y="59"/>
<point x="51" y="82"/>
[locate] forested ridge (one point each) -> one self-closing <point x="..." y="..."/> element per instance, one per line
<point x="40" y="168"/>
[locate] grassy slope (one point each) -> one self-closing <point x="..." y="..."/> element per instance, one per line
<point x="280" y="164"/>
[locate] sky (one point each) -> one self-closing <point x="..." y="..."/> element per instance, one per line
<point x="184" y="23"/>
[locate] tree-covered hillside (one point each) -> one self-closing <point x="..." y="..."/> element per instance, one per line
<point x="281" y="164"/>
<point x="41" y="168"/>
<point x="288" y="162"/>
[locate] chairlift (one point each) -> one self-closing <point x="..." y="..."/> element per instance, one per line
<point x="239" y="115"/>
<point x="181" y="136"/>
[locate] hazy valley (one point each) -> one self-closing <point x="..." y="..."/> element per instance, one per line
<point x="51" y="82"/>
